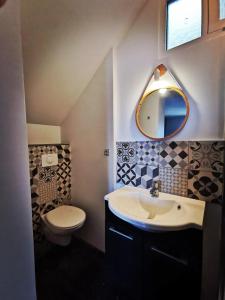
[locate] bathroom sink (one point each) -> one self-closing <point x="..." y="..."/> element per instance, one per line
<point x="164" y="213"/>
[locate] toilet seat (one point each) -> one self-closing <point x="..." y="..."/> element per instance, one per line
<point x="66" y="217"/>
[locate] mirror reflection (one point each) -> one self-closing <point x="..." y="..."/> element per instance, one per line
<point x="162" y="113"/>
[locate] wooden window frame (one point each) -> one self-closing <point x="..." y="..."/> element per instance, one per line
<point x="207" y="31"/>
<point x="214" y="23"/>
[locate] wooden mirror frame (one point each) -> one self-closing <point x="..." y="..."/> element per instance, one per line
<point x="171" y="88"/>
<point x="2" y="2"/>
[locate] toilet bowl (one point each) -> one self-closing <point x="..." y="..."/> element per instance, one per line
<point x="60" y="223"/>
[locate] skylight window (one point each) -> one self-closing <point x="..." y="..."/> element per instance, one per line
<point x="184" y="22"/>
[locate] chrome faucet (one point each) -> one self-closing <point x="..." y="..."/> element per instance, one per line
<point x="154" y="191"/>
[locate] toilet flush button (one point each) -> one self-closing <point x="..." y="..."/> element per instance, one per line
<point x="49" y="160"/>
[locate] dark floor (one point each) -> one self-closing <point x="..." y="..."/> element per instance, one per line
<point x="73" y="272"/>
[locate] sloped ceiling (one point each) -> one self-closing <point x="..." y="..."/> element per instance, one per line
<point x="64" y="42"/>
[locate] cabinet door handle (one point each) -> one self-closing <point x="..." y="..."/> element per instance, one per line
<point x="181" y="261"/>
<point x="120" y="233"/>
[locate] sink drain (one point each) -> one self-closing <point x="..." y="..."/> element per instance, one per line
<point x="151" y="215"/>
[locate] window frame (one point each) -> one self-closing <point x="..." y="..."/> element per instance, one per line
<point x="162" y="51"/>
<point x="214" y="21"/>
<point x="166" y="5"/>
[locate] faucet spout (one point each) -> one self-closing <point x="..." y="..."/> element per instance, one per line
<point x="154" y="191"/>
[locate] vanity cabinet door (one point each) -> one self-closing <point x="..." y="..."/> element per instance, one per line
<point x="123" y="262"/>
<point x="165" y="276"/>
<point x="172" y="268"/>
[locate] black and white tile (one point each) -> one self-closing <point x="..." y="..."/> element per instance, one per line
<point x="207" y="156"/>
<point x="126" y="174"/>
<point x="145" y="175"/>
<point x="47" y="174"/>
<point x="173" y="181"/>
<point x="47" y="184"/>
<point x="173" y="155"/>
<point x="126" y="152"/>
<point x="50" y="186"/>
<point x="36" y="151"/>
<point x="64" y="153"/>
<point x="148" y="153"/>
<point x="192" y="169"/>
<point x="204" y="185"/>
<point x="36" y="218"/>
<point x="64" y="180"/>
<point x="34" y="183"/>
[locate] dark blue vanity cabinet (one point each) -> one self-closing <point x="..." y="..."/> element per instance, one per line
<point x="172" y="265"/>
<point x="123" y="259"/>
<point x="152" y="266"/>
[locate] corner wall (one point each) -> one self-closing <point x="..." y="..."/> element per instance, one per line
<point x="16" y="251"/>
<point x="89" y="130"/>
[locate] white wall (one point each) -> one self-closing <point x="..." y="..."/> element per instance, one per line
<point x="64" y="43"/>
<point x="199" y="67"/>
<point x="43" y="134"/>
<point x="16" y="251"/>
<point x="89" y="130"/>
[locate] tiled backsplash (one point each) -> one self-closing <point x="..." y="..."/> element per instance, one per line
<point x="193" y="169"/>
<point x="50" y="186"/>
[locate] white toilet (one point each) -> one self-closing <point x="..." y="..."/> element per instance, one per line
<point x="60" y="223"/>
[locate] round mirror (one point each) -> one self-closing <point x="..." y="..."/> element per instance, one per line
<point x="162" y="113"/>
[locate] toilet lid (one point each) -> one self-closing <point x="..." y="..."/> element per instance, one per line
<point x="66" y="216"/>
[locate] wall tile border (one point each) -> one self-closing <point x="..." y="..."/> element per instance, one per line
<point x="186" y="168"/>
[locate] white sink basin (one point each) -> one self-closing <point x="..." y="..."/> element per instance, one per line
<point x="164" y="213"/>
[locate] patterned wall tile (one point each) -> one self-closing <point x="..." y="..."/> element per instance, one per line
<point x="126" y="174"/>
<point x="64" y="153"/>
<point x="47" y="191"/>
<point x="148" y="153"/>
<point x="198" y="176"/>
<point x="50" y="187"/>
<point x="47" y="174"/>
<point x="207" y="156"/>
<point x="34" y="184"/>
<point x="46" y="207"/>
<point x="64" y="180"/>
<point x="35" y="153"/>
<point x="36" y="221"/>
<point x="173" y="181"/>
<point x="126" y="152"/>
<point x="145" y="175"/>
<point x="47" y="186"/>
<point x="205" y="185"/>
<point x="173" y="155"/>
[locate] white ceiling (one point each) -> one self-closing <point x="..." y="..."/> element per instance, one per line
<point x="64" y="42"/>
